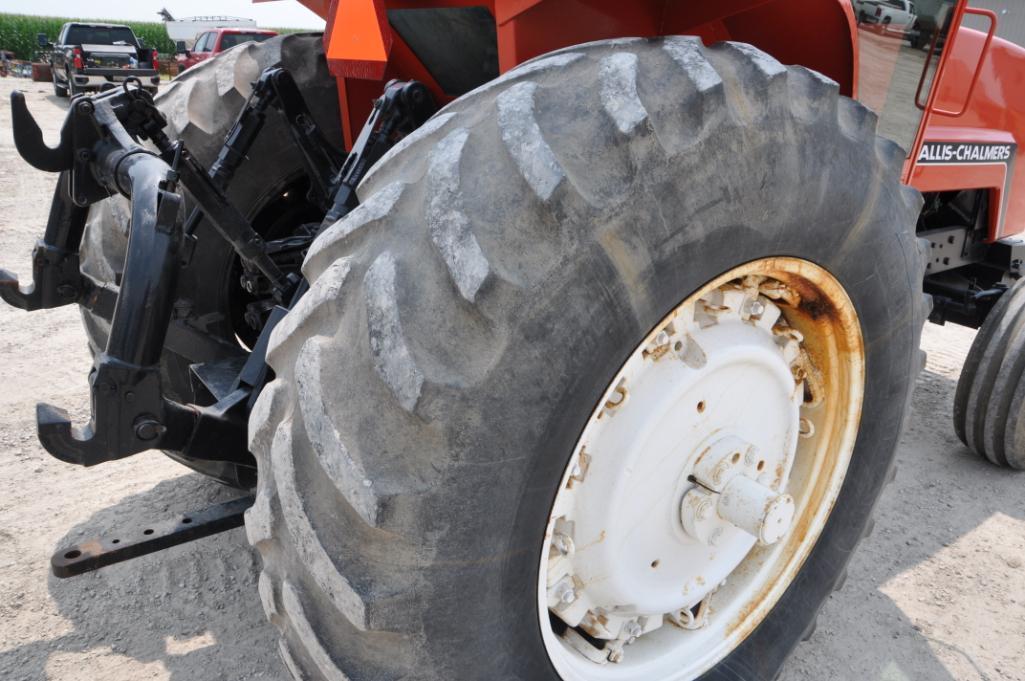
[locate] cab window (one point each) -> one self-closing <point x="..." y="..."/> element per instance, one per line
<point x="100" y="35"/>
<point x="229" y="40"/>
<point x="895" y="63"/>
<point x="203" y="43"/>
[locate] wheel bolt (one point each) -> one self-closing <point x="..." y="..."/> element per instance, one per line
<point x="149" y="429"/>
<point x="566" y="594"/>
<point x="562" y="543"/>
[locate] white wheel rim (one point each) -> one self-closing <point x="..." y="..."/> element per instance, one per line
<point x="738" y="411"/>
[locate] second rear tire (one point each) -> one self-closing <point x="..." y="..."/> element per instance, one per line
<point x="989" y="404"/>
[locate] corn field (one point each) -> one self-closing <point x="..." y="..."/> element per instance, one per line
<point x="18" y="32"/>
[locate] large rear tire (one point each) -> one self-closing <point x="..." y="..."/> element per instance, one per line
<point x="269" y="189"/>
<point x="463" y="323"/>
<point x="989" y="404"/>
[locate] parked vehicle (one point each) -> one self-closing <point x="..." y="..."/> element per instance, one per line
<point x="187" y="29"/>
<point x="91" y="57"/>
<point x="212" y="43"/>
<point x="896" y="13"/>
<point x="549" y="351"/>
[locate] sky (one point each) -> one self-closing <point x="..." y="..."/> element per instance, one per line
<point x="280" y="14"/>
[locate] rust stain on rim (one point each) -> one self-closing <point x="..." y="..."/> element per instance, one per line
<point x="826" y="318"/>
<point x="815" y="306"/>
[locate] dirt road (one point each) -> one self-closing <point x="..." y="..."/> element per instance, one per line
<point x="936" y="594"/>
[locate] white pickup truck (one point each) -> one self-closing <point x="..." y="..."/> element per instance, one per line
<point x="896" y="13"/>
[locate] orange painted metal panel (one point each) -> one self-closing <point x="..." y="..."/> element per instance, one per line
<point x="816" y="33"/>
<point x="819" y="35"/>
<point x="359" y="39"/>
<point x="356" y="96"/>
<point x="995" y="113"/>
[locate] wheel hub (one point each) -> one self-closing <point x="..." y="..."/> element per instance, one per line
<point x="682" y="475"/>
<point x="733" y="489"/>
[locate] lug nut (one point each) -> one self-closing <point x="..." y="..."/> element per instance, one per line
<point x="562" y="543"/>
<point x="716" y="537"/>
<point x="566" y="594"/>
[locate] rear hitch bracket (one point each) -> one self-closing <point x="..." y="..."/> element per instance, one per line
<point x="100" y="153"/>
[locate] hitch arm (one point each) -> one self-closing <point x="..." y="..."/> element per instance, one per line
<point x="28" y="139"/>
<point x="56" y="279"/>
<point x="404" y="106"/>
<point x="129" y="411"/>
<point x="100" y="155"/>
<point x="127" y="371"/>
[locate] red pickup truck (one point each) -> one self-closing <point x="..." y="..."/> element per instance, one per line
<point x="213" y="42"/>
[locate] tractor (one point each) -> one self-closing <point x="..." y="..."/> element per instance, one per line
<point x="544" y="339"/>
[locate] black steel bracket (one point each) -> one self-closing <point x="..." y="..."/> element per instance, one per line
<point x="100" y="156"/>
<point x="129" y="543"/>
<point x="56" y="279"/>
<point x="404" y="107"/>
<point x="101" y="153"/>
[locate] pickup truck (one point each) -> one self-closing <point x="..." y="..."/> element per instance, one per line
<point x="896" y="14"/>
<point x="213" y="42"/>
<point x="89" y="56"/>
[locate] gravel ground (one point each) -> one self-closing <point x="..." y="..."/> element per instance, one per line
<point x="937" y="593"/>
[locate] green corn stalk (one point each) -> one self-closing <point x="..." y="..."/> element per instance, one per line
<point x="18" y="33"/>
